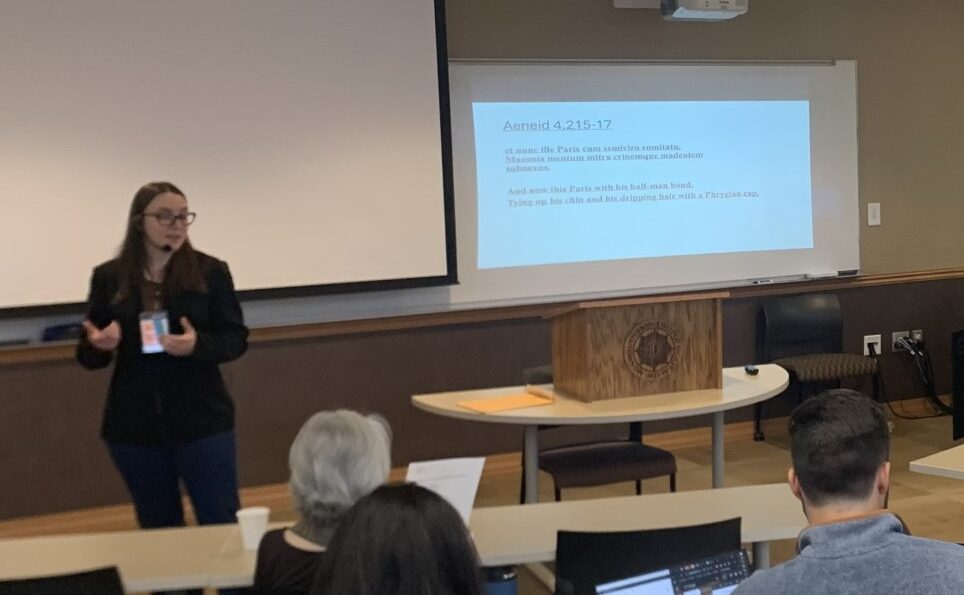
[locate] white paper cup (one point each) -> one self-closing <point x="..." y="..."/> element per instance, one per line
<point x="253" y="522"/>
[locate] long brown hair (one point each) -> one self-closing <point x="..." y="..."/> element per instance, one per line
<point x="182" y="273"/>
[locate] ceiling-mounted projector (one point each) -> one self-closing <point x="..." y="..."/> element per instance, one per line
<point x="702" y="10"/>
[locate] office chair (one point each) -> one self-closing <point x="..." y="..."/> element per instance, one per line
<point x="804" y="335"/>
<point x="587" y="559"/>
<point x="102" y="581"/>
<point x="603" y="462"/>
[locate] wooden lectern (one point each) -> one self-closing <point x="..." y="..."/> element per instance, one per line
<point x="640" y="346"/>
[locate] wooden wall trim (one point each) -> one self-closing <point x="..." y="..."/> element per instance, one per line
<point x="41" y="352"/>
<point x="62" y="350"/>
<point x="851" y="282"/>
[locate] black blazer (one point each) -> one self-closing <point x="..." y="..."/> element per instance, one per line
<point x="159" y="399"/>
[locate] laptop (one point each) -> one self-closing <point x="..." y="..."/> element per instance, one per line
<point x="716" y="575"/>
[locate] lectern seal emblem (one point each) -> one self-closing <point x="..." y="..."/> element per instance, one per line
<point x="651" y="349"/>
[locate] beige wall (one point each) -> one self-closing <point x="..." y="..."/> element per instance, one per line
<point x="910" y="71"/>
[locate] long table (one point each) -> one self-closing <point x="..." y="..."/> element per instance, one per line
<point x="525" y="534"/>
<point x="739" y="390"/>
<point x="946" y="463"/>
<point x="212" y="556"/>
<point x="157" y="559"/>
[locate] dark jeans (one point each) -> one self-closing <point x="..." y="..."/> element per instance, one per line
<point x="207" y="467"/>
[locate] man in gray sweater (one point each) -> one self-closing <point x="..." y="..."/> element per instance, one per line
<point x="840" y="446"/>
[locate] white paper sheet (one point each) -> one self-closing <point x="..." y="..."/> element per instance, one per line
<point x="456" y="480"/>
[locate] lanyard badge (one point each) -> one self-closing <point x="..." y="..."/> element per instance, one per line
<point x="154" y="325"/>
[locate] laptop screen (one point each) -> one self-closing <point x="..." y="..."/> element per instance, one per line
<point x="717" y="575"/>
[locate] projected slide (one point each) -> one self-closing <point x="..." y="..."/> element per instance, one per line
<point x="568" y="182"/>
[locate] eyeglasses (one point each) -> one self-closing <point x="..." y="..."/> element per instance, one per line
<point x="168" y="219"/>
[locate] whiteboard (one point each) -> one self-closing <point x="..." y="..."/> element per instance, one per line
<point x="828" y="90"/>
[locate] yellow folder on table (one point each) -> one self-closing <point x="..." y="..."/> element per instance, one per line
<point x="532" y="397"/>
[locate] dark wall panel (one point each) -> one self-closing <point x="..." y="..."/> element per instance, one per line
<point x="278" y="386"/>
<point x="51" y="456"/>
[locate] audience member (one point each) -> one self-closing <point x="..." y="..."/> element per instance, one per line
<point x="336" y="458"/>
<point x="839" y="445"/>
<point x="401" y="540"/>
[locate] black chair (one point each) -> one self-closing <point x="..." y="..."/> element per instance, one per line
<point x="804" y="335"/>
<point x="603" y="462"/>
<point x="584" y="560"/>
<point x="102" y="581"/>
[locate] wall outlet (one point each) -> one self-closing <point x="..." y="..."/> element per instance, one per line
<point x="895" y="336"/>
<point x="875" y="339"/>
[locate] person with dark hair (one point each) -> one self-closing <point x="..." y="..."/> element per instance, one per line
<point x="336" y="458"/>
<point x="400" y="540"/>
<point x="840" y="451"/>
<point x="167" y="316"/>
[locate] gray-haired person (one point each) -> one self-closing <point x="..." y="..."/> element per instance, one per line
<point x="337" y="458"/>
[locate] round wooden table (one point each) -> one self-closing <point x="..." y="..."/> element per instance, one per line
<point x="739" y="390"/>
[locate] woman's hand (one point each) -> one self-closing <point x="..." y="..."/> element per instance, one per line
<point x="181" y="345"/>
<point x="105" y="339"/>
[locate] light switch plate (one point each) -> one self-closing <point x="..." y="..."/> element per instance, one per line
<point x="873" y="213"/>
